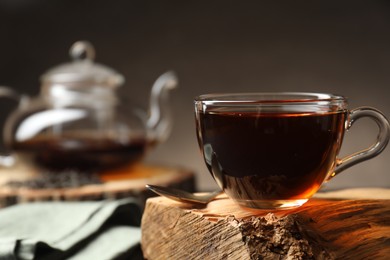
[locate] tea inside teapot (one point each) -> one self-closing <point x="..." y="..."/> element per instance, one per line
<point x="80" y="152"/>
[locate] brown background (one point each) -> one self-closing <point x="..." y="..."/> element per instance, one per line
<point x="214" y="46"/>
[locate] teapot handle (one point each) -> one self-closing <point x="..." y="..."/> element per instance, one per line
<point x="6" y="92"/>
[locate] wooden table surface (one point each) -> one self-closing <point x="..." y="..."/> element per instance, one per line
<point x="345" y="224"/>
<point x="124" y="182"/>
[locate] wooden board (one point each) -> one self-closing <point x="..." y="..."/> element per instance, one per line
<point x="129" y="181"/>
<point x="321" y="229"/>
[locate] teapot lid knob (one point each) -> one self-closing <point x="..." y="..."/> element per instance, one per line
<point x="82" y="50"/>
<point x="82" y="71"/>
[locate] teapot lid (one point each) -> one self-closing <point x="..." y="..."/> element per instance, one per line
<point x="83" y="70"/>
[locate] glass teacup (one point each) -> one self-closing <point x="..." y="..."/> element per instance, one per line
<point x="275" y="150"/>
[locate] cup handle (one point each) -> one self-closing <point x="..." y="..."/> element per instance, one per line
<point x="372" y="151"/>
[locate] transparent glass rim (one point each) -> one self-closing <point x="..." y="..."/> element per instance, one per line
<point x="269" y="98"/>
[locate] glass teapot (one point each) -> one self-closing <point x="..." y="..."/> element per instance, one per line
<point x="76" y="124"/>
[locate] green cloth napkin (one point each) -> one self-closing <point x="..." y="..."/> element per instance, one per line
<point x="71" y="230"/>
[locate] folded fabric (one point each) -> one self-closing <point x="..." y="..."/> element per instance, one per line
<point x="70" y="230"/>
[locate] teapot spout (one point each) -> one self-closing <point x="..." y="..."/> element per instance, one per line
<point x="159" y="123"/>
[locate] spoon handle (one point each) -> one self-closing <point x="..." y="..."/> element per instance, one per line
<point x="183" y="196"/>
